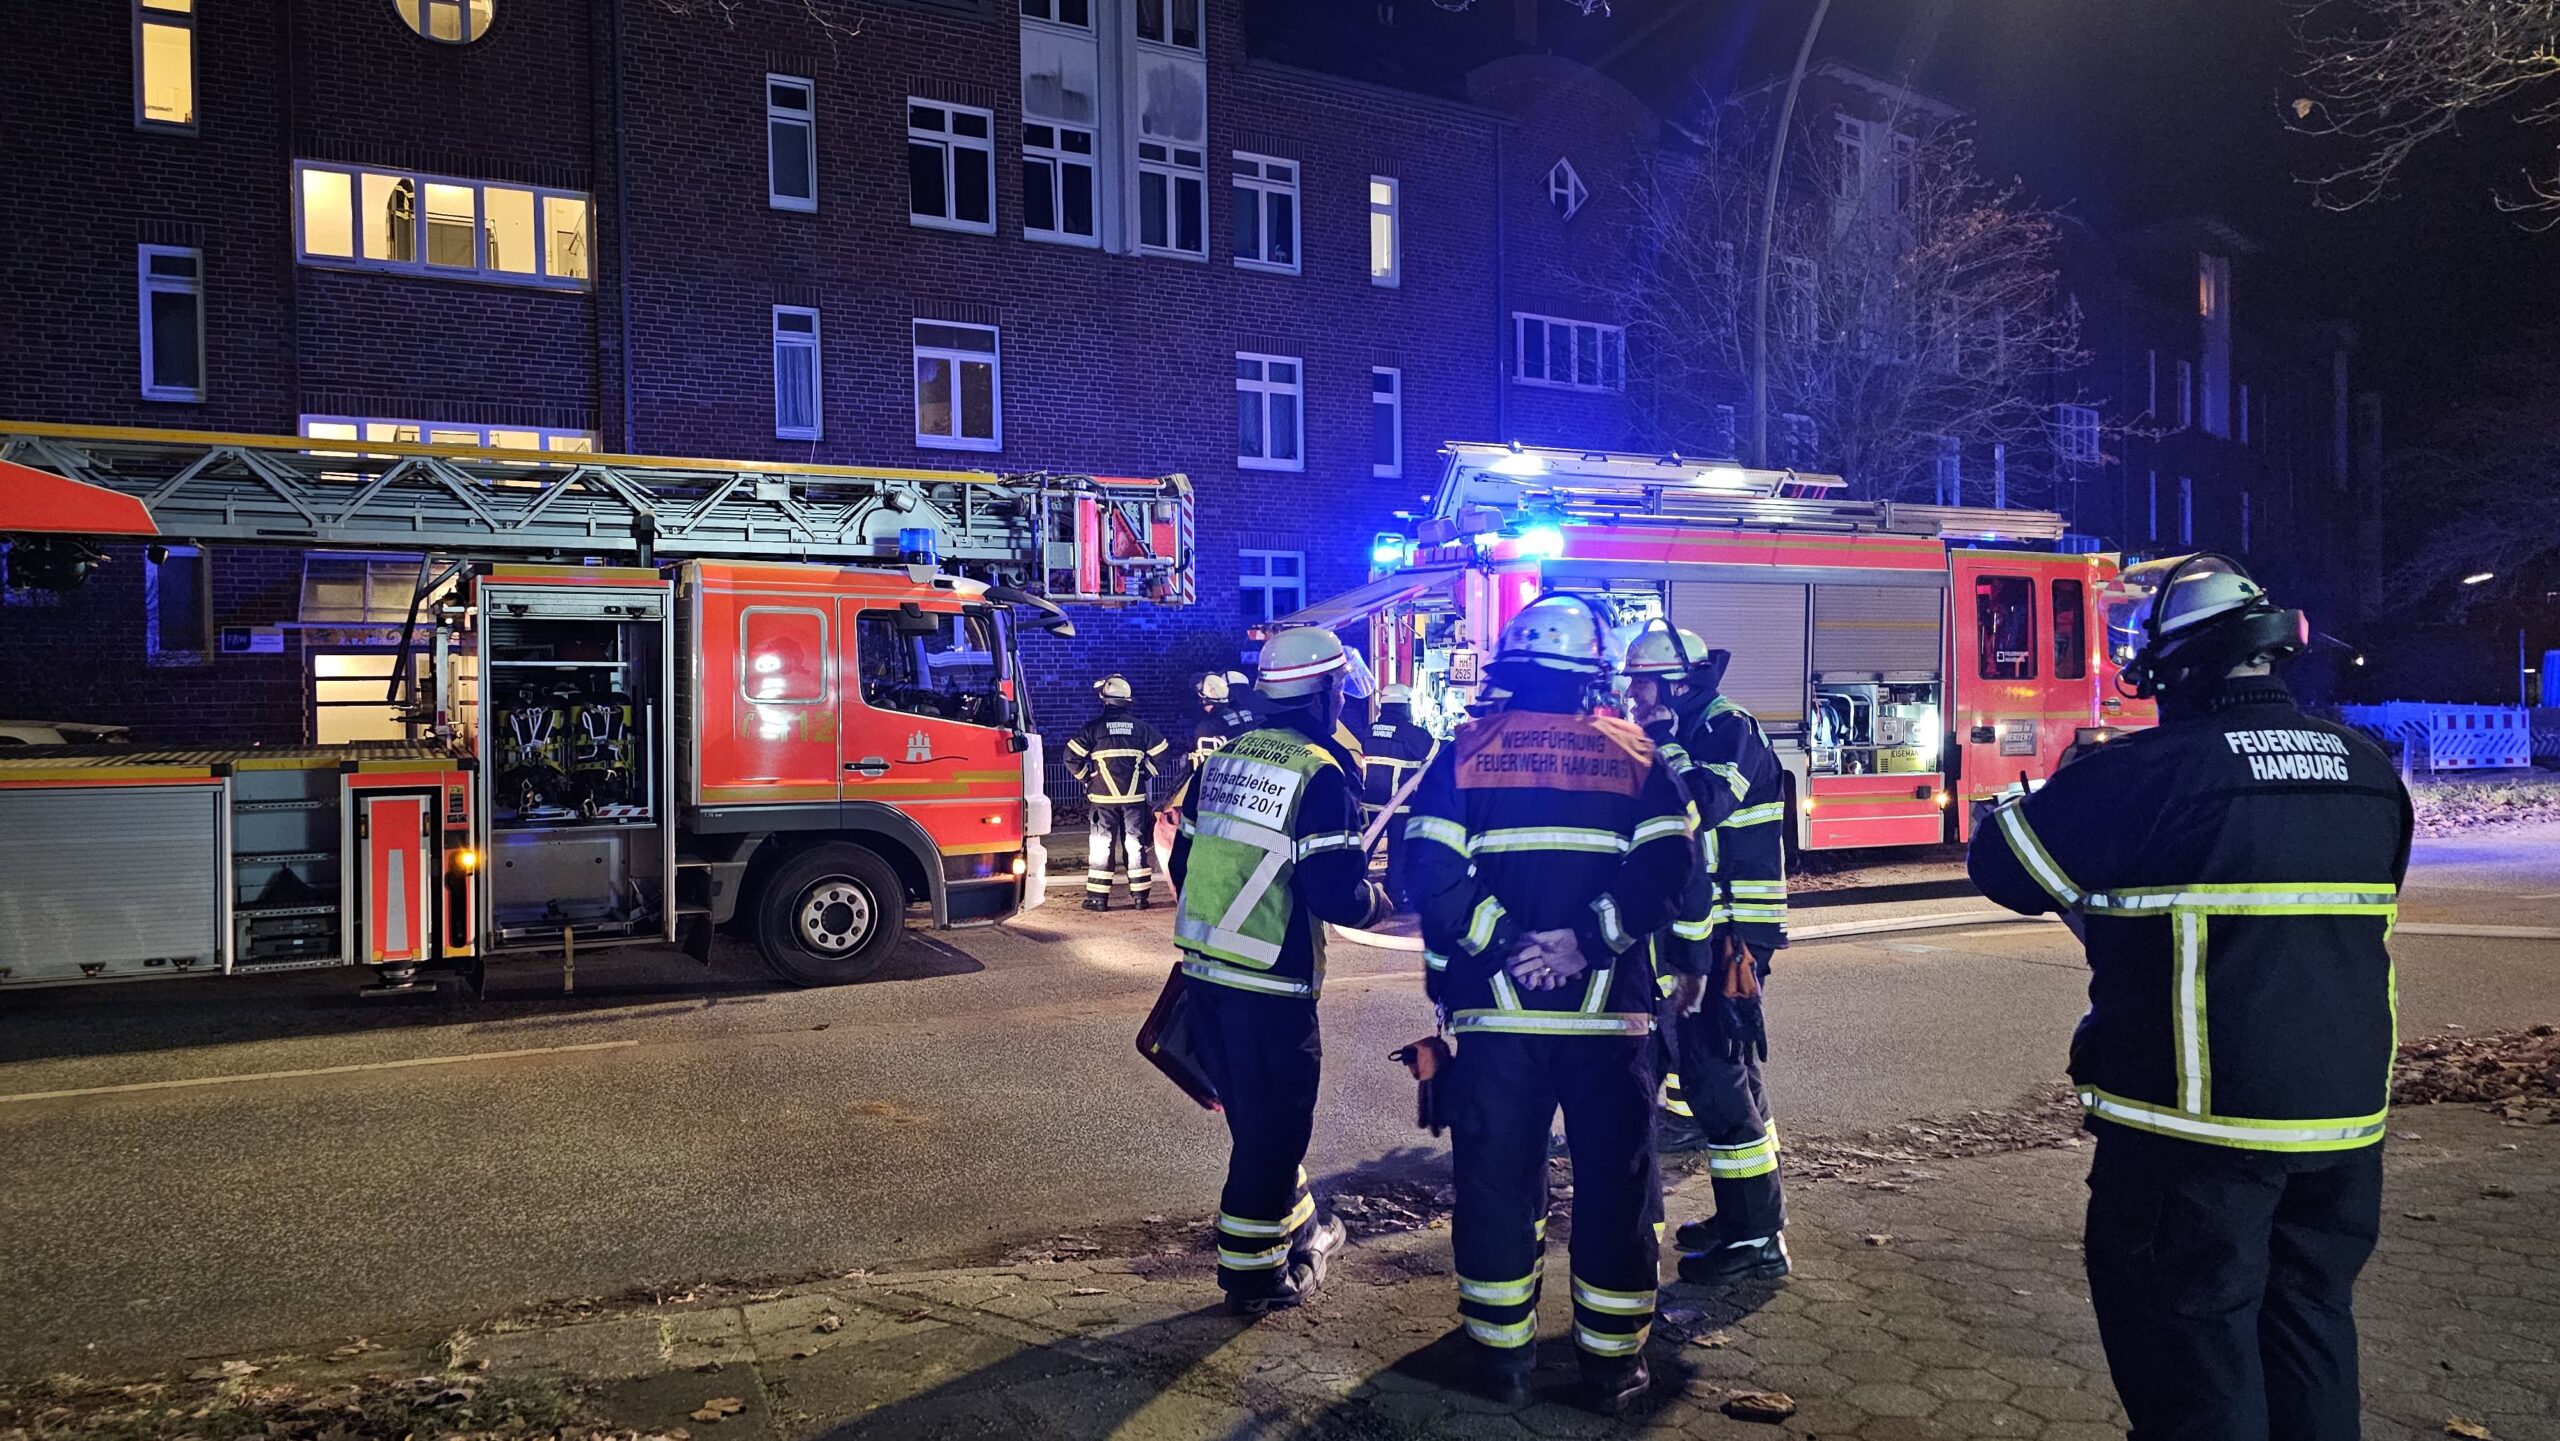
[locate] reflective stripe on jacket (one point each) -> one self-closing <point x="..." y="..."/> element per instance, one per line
<point x="1269" y="832"/>
<point x="1113" y="758"/>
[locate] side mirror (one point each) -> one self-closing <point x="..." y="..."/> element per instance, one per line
<point x="1047" y="617"/>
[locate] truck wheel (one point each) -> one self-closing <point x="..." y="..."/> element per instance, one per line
<point x="830" y="914"/>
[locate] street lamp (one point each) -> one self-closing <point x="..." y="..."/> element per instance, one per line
<point x="2480" y="577"/>
<point x="1768" y="237"/>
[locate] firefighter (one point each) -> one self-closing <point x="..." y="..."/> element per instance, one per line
<point x="1268" y="851"/>
<point x="1226" y="711"/>
<point x="2241" y="861"/>
<point x="1731" y="927"/>
<point x="1113" y="758"/>
<point x="1547" y="843"/>
<point x="1396" y="747"/>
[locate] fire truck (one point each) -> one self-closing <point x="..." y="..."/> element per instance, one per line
<point x="643" y="698"/>
<point x="1912" y="664"/>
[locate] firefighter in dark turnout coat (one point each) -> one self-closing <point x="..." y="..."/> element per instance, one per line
<point x="1113" y="758"/>
<point x="2234" y="874"/>
<point x="1393" y="750"/>
<point x="1548" y="844"/>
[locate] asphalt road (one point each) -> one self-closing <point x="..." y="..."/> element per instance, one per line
<point x="381" y="1166"/>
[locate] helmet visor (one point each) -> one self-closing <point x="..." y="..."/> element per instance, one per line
<point x="2135" y="598"/>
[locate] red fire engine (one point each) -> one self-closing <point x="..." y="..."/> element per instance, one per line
<point x="810" y="721"/>
<point x="1911" y="663"/>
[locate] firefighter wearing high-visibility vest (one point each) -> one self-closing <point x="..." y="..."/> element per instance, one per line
<point x="1394" y="749"/>
<point x="2234" y="875"/>
<point x="1113" y="758"/>
<point x="1267" y="852"/>
<point x="1547" y="845"/>
<point x="1732" y="926"/>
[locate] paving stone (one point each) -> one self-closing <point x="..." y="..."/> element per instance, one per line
<point x="1893" y="1398"/>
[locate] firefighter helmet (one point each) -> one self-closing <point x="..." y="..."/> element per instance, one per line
<point x="2185" y="622"/>
<point x="1395" y="695"/>
<point x="1114" y="689"/>
<point x="1211" y="688"/>
<point x="1296" y="662"/>
<point x="1661" y="650"/>
<point x="1554" y="633"/>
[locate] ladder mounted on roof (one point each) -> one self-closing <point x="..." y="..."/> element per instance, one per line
<point x="1069" y="536"/>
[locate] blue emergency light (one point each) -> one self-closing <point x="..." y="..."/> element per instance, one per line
<point x="918" y="545"/>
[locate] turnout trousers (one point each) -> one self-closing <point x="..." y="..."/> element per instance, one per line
<point x="2224" y="1283"/>
<point x="1731" y="1108"/>
<point x="1134" y="826"/>
<point x="1507" y="1089"/>
<point x="1395" y="849"/>
<point x="1263" y="1054"/>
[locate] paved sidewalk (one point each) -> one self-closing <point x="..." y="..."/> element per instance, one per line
<point x="1953" y="1307"/>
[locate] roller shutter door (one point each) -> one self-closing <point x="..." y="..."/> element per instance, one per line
<point x="1860" y="631"/>
<point x="112" y="877"/>
<point x="1764" y="627"/>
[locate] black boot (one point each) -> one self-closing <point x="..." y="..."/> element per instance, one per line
<point x="1761" y="1259"/>
<point x="1673" y="1133"/>
<point x="1504" y="1383"/>
<point x="1608" y="1385"/>
<point x="1302" y="1276"/>
<point x="1703" y="1235"/>
<point x="1140" y="899"/>
<point x="1096" y="902"/>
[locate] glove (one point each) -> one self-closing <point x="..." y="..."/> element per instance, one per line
<point x="1428" y="1059"/>
<point x="1740" y="1034"/>
<point x="1545" y="960"/>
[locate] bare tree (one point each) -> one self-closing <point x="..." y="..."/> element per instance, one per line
<point x="2401" y="73"/>
<point x="2475" y="483"/>
<point x="831" y="17"/>
<point x="1913" y="302"/>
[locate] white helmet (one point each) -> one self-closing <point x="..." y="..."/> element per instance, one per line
<point x="1112" y="688"/>
<point x="1296" y="661"/>
<point x="1395" y="695"/>
<point x="2186" y="619"/>
<point x="1237" y="680"/>
<point x="1661" y="650"/>
<point x="1211" y="688"/>
<point x="1554" y="633"/>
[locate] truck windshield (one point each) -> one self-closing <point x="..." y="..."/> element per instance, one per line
<point x="950" y="671"/>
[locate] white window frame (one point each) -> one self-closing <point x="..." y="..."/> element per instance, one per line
<point x="1199" y="26"/>
<point x="805" y="117"/>
<point x="1390" y="400"/>
<point x="951" y="141"/>
<point x="1270" y="584"/>
<point x="394" y="430"/>
<point x="1262" y="176"/>
<point x="2075" y="434"/>
<point x="959" y="359"/>
<point x="1386" y="231"/>
<point x="1165" y="163"/>
<point x="146" y="285"/>
<point x="542" y="276"/>
<point x="1052" y="12"/>
<point x="1264" y="388"/>
<point x="2186" y="510"/>
<point x="1565" y="190"/>
<point x="2186" y="395"/>
<point x="1609" y="344"/>
<point x="795" y="339"/>
<point x="1058" y="159"/>
<point x="179" y="15"/>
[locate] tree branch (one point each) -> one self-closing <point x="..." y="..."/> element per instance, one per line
<point x="2403" y="73"/>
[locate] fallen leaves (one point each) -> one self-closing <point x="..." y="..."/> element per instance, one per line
<point x="2465" y="1426"/>
<point x="829" y="1324"/>
<point x="1880" y="1239"/>
<point x="1768" y="1406"/>
<point x="353" y="1349"/>
<point x="2515" y="1073"/>
<point x="2451" y="805"/>
<point x="227" y="1371"/>
<point x="1088" y="1291"/>
<point x="1711" y="1340"/>
<point x="719" y="1409"/>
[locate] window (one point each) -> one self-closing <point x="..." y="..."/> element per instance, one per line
<point x="2004" y="626"/>
<point x="177" y="598"/>
<point x="372" y="220"/>
<point x="1170" y="22"/>
<point x="437" y="432"/>
<point x="1565" y="190"/>
<point x="1078" y="13"/>
<point x="783" y="657"/>
<point x="1386" y="234"/>
<point x="2186" y="395"/>
<point x="164" y="64"/>
<point x="1728" y="432"/>
<point x="2151" y="506"/>
<point x="1266" y="212"/>
<point x="1568" y="354"/>
<point x="172" y="293"/>
<point x="1271" y="583"/>
<point x="2244" y="522"/>
<point x="937" y="664"/>
<point x="2075" y="437"/>
<point x="1799" y="304"/>
<point x="2186" y="511"/>
<point x="1799" y="439"/>
<point x="2153" y="408"/>
<point x="959" y="387"/>
<point x="951" y="167"/>
<point x="1950" y="470"/>
<point x="1057" y="182"/>
<point x="351" y="694"/>
<point x="2244" y="412"/>
<point x="1173" y="199"/>
<point x="1386" y="421"/>
<point x="791" y="142"/>
<point x="1269" y="392"/>
<point x="357" y="588"/>
<point x="2070" y="630"/>
<point x="795" y="374"/>
<point x="457" y="22"/>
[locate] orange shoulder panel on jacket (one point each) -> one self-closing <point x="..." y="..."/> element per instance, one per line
<point x="1530" y="750"/>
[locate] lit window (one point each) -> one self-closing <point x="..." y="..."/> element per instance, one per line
<point x="1271" y="583"/>
<point x="1173" y="199"/>
<point x="951" y="166"/>
<point x="1170" y="22"/>
<point x="440" y="432"/>
<point x="1565" y="189"/>
<point x="1078" y="13"/>
<point x="1270" y="391"/>
<point x="2075" y="430"/>
<point x="1386" y="421"/>
<point x="1266" y="193"/>
<point x="368" y="219"/>
<point x="1057" y="182"/>
<point x="791" y="142"/>
<point x="172" y="296"/>
<point x="1386" y="237"/>
<point x="456" y="22"/>
<point x="164" y="64"/>
<point x="959" y="387"/>
<point x="795" y="374"/>
<point x="1568" y="354"/>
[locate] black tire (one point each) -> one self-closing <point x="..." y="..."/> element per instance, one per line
<point x="830" y="915"/>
